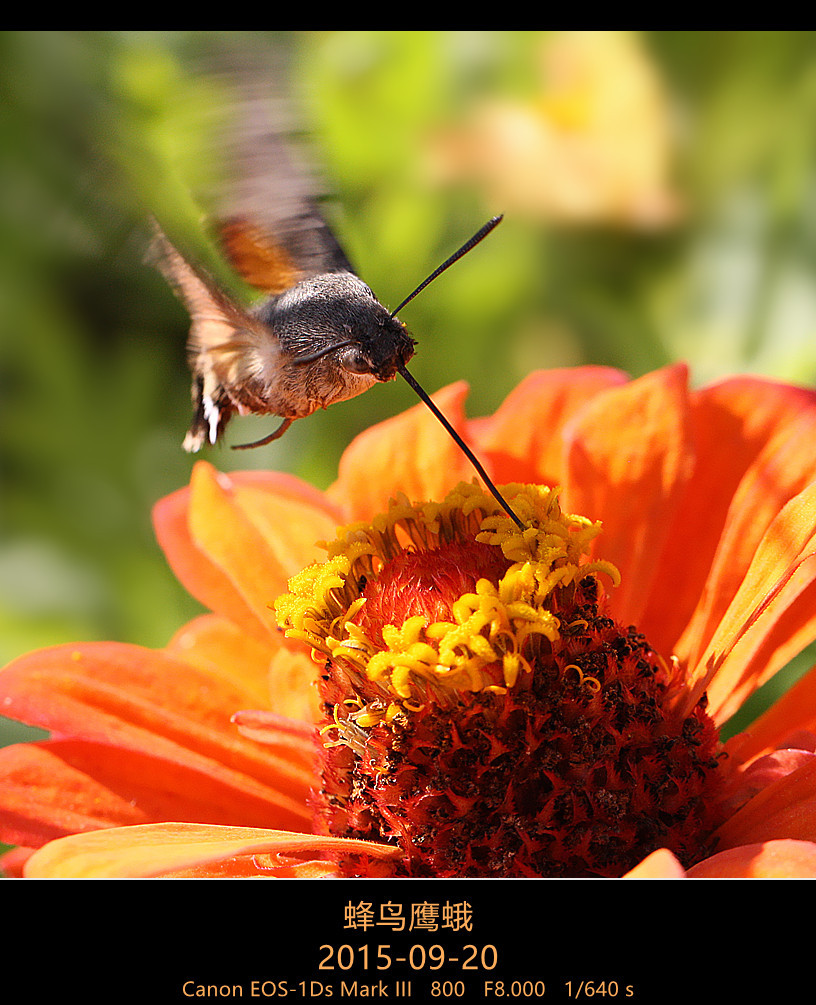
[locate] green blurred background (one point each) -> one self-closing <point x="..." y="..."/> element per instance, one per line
<point x="97" y="129"/>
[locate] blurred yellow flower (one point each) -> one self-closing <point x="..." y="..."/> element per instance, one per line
<point x="594" y="145"/>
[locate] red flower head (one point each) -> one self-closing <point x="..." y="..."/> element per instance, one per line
<point x="488" y="701"/>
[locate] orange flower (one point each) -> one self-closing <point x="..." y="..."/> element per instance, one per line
<point x="200" y="759"/>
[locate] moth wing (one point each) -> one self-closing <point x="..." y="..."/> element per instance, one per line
<point x="229" y="335"/>
<point x="263" y="202"/>
<point x="268" y="217"/>
<point x="274" y="256"/>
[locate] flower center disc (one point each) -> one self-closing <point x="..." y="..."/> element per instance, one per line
<point x="427" y="583"/>
<point x="486" y="714"/>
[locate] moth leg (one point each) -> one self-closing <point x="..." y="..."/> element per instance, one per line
<point x="267" y="439"/>
<point x="209" y="418"/>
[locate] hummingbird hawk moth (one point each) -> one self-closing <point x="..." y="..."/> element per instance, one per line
<point x="318" y="336"/>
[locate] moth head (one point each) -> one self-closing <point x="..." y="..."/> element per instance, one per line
<point x="349" y="327"/>
<point x="380" y="348"/>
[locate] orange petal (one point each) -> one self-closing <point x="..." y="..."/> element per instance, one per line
<point x="176" y="848"/>
<point x="628" y="463"/>
<point x="51" y="789"/>
<point x="793" y="711"/>
<point x="789" y="626"/>
<point x="785" y="467"/>
<point x="202" y="578"/>
<point x="275" y="730"/>
<point x="293" y="683"/>
<point x="766" y="860"/>
<point x="280" y="676"/>
<point x="523" y="440"/>
<point x="771" y="768"/>
<point x="661" y="864"/>
<point x="224" y="529"/>
<point x="146" y="701"/>
<point x="771" y="618"/>
<point x="732" y="423"/>
<point x="411" y="453"/>
<point x="234" y="540"/>
<point x="290" y="515"/>
<point x="218" y="646"/>
<point x="784" y="809"/>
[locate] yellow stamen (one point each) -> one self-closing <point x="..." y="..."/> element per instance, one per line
<point x="482" y="648"/>
<point x="592" y="683"/>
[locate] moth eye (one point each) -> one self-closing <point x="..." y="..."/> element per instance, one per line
<point x="356" y="362"/>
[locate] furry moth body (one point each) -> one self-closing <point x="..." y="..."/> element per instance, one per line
<point x="324" y="339"/>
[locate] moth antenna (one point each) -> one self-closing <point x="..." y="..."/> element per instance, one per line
<point x="462" y="445"/>
<point x="480" y="234"/>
